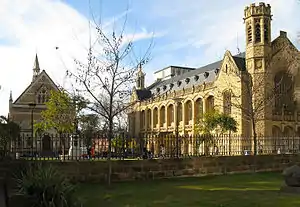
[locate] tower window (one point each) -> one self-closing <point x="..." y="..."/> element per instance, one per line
<point x="266" y="30"/>
<point x="257" y="31"/>
<point x="249" y="31"/>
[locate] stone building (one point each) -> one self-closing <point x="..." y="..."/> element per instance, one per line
<point x="180" y="96"/>
<point x="27" y="109"/>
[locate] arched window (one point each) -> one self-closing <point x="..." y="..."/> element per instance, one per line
<point x="179" y="112"/>
<point x="209" y="104"/>
<point x="143" y="119"/>
<point x="155" y="117"/>
<point x="227" y="102"/>
<point x="149" y="118"/>
<point x="162" y="115"/>
<point x="42" y="97"/>
<point x="266" y="30"/>
<point x="170" y="113"/>
<point x="257" y="31"/>
<point x="188" y="111"/>
<point x="284" y="90"/>
<point x="199" y="109"/>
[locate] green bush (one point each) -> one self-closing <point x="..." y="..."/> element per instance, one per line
<point x="43" y="186"/>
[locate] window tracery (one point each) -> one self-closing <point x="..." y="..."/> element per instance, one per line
<point x="42" y="96"/>
<point x="266" y="30"/>
<point x="227" y="102"/>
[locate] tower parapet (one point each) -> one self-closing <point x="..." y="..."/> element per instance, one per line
<point x="257" y="10"/>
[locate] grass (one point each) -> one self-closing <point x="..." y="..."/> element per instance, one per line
<point x="240" y="190"/>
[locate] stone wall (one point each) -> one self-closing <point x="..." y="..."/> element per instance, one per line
<point x="96" y="171"/>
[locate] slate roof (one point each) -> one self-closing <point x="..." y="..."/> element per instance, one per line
<point x="195" y="77"/>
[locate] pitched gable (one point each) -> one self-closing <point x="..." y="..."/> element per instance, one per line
<point x="42" y="81"/>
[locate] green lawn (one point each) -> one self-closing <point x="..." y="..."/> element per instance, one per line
<point x="241" y="190"/>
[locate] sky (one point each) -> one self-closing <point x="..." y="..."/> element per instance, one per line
<point x="189" y="33"/>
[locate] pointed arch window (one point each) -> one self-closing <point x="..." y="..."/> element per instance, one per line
<point x="42" y="96"/>
<point x="257" y="31"/>
<point x="227" y="102"/>
<point x="266" y="30"/>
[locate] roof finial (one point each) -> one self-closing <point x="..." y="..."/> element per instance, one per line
<point x="36" y="67"/>
<point x="10" y="96"/>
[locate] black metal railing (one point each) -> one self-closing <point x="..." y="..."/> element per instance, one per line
<point x="70" y="147"/>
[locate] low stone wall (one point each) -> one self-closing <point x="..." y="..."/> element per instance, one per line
<point x="96" y="171"/>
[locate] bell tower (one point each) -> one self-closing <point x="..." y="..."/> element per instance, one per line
<point x="257" y="19"/>
<point x="140" y="80"/>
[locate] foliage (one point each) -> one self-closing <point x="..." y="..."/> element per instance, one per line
<point x="217" y="123"/>
<point x="59" y="115"/>
<point x="44" y="186"/>
<point x="8" y="131"/>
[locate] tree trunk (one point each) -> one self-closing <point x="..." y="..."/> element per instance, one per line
<point x="254" y="137"/>
<point x="110" y="136"/>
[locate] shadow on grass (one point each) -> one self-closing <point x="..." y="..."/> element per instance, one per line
<point x="260" y="189"/>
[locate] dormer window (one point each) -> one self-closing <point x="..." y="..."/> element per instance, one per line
<point x="217" y="70"/>
<point x="178" y="83"/>
<point x="171" y="85"/>
<point x="187" y="80"/>
<point x="196" y="77"/>
<point x="164" y="87"/>
<point x="157" y="90"/>
<point x="206" y="74"/>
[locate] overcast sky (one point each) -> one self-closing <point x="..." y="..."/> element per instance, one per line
<point x="186" y="33"/>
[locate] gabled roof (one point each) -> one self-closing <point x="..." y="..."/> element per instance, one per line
<point x="33" y="82"/>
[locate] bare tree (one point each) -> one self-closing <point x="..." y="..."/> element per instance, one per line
<point x="106" y="79"/>
<point x="259" y="91"/>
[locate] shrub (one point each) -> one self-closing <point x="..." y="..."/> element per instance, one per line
<point x="43" y="186"/>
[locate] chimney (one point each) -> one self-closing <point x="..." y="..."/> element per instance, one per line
<point x="283" y="34"/>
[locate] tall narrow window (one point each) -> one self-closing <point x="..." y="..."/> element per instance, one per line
<point x="227" y="102"/>
<point x="249" y="33"/>
<point x="266" y="30"/>
<point x="257" y="31"/>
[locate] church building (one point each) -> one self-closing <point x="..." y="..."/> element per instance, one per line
<point x="26" y="110"/>
<point x="253" y="87"/>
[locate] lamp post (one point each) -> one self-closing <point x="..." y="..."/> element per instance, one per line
<point x="177" y="101"/>
<point x="32" y="106"/>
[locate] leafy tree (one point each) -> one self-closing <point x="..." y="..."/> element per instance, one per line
<point x="59" y="115"/>
<point x="89" y="124"/>
<point x="213" y="125"/>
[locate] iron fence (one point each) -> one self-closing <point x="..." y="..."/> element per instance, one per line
<point x="96" y="147"/>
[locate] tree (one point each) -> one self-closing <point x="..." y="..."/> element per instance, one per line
<point x="108" y="75"/>
<point x="214" y="125"/>
<point x="9" y="131"/>
<point x="59" y="114"/>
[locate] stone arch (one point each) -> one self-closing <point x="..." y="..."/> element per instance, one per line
<point x="209" y="103"/>
<point x="276" y="131"/>
<point x="155" y="116"/>
<point x="170" y="114"/>
<point x="288" y="131"/>
<point x="46" y="143"/>
<point x="143" y="119"/>
<point x="162" y="115"/>
<point x="188" y="106"/>
<point x="198" y="108"/>
<point x="148" y="115"/>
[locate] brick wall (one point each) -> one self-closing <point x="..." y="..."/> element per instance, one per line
<point x="96" y="171"/>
